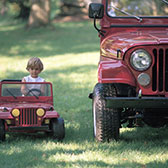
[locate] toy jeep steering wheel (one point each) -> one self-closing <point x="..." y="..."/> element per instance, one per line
<point x="34" y="90"/>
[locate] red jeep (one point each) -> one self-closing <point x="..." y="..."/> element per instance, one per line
<point x="132" y="83"/>
<point x="32" y="112"/>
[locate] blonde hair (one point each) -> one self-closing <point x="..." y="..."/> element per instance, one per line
<point x="34" y="62"/>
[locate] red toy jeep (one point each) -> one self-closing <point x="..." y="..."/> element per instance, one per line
<point x="32" y="112"/>
<point x="132" y="83"/>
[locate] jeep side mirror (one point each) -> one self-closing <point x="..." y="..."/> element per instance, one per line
<point x="96" y="10"/>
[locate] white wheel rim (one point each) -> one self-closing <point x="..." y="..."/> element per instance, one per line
<point x="94" y="118"/>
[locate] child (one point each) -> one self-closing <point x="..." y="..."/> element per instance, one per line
<point x="34" y="66"/>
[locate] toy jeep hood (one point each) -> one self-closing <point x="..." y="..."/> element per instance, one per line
<point x="9" y="106"/>
<point x="124" y="41"/>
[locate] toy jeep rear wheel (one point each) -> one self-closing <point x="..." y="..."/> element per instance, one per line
<point x="106" y="120"/>
<point x="58" y="129"/>
<point x="2" y="131"/>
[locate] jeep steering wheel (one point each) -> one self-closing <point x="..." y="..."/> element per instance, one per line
<point x="34" y="90"/>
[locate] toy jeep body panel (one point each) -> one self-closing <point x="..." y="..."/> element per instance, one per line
<point x="133" y="68"/>
<point x="32" y="112"/>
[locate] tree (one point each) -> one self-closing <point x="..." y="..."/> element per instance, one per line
<point x="24" y="9"/>
<point x="39" y="13"/>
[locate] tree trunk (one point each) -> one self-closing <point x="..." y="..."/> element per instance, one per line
<point x="39" y="14"/>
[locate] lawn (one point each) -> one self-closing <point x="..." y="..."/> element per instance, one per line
<point x="70" y="53"/>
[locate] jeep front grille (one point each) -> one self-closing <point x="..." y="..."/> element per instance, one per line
<point x="160" y="70"/>
<point x="27" y="117"/>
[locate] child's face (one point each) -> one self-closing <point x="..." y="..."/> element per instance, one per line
<point x="34" y="71"/>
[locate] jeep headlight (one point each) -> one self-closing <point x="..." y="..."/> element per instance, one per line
<point x="15" y="112"/>
<point x="140" y="60"/>
<point x="40" y="112"/>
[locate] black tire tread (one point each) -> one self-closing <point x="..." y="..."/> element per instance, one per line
<point x="58" y="128"/>
<point x="2" y="131"/>
<point x="107" y="123"/>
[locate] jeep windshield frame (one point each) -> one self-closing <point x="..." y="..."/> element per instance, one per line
<point x="12" y="92"/>
<point x="128" y="18"/>
<point x="135" y="8"/>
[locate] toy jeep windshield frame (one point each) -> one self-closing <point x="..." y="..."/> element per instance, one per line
<point x="11" y="91"/>
<point x="31" y="110"/>
<point x="133" y="68"/>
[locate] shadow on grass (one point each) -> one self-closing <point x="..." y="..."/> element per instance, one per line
<point x="30" y="154"/>
<point x="146" y="134"/>
<point x="49" y="158"/>
<point x="62" y="38"/>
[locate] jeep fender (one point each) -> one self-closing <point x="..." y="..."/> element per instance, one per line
<point x="115" y="71"/>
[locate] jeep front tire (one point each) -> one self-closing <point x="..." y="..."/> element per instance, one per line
<point x="58" y="129"/>
<point x="106" y="120"/>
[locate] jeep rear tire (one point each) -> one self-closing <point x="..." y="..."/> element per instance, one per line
<point x="106" y="120"/>
<point x="2" y="130"/>
<point x="58" y="129"/>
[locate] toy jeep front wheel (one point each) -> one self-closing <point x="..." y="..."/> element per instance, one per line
<point x="106" y="120"/>
<point x="58" y="129"/>
<point x="2" y="131"/>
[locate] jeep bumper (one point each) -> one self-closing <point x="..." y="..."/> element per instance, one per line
<point x="28" y="128"/>
<point x="136" y="102"/>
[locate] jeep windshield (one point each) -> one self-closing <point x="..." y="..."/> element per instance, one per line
<point x="136" y="8"/>
<point x="25" y="89"/>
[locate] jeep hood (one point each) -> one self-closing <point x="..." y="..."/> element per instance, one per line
<point x="24" y="105"/>
<point x="124" y="41"/>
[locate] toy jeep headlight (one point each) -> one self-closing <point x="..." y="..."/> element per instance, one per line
<point x="140" y="60"/>
<point x="40" y="112"/>
<point x="15" y="112"/>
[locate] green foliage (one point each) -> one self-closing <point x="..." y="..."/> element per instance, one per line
<point x="70" y="53"/>
<point x="55" y="8"/>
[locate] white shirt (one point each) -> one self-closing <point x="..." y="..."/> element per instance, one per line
<point x="33" y="86"/>
<point x="30" y="79"/>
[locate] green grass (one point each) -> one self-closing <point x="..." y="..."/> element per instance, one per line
<point x="70" y="53"/>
